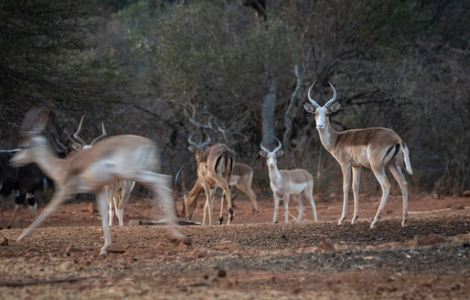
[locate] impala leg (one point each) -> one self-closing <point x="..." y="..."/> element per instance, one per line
<point x="251" y="195"/>
<point x="109" y="196"/>
<point x="277" y="199"/>
<point x="346" y="169"/>
<point x="207" y="204"/>
<point x="102" y="202"/>
<point x="301" y="208"/>
<point x="356" y="174"/>
<point x="385" y="185"/>
<point x="59" y="197"/>
<point x="286" y="208"/>
<point x="126" y="190"/>
<point x="228" y="195"/>
<point x="398" y="175"/>
<point x="309" y="196"/>
<point x="160" y="185"/>
<point x="221" y="217"/>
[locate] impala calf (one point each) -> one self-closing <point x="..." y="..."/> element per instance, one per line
<point x="370" y="148"/>
<point x="121" y="157"/>
<point x="286" y="183"/>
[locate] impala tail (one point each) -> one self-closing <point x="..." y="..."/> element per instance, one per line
<point x="406" y="155"/>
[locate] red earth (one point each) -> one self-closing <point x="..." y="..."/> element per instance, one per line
<point x="251" y="259"/>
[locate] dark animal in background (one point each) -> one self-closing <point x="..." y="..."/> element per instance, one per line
<point x="24" y="182"/>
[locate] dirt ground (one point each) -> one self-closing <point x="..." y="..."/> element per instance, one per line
<point x="252" y="259"/>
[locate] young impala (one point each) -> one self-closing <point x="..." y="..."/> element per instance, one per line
<point x="286" y="183"/>
<point x="121" y="157"/>
<point x="371" y="148"/>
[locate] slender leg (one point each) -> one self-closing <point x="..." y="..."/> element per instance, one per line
<point x="109" y="196"/>
<point x="102" y="208"/>
<point x="346" y="169"/>
<point x="221" y="217"/>
<point x="59" y="197"/>
<point x="286" y="208"/>
<point x="207" y="206"/>
<point x="277" y="199"/>
<point x="356" y="174"/>
<point x="160" y="185"/>
<point x="301" y="207"/>
<point x="127" y="187"/>
<point x="385" y="185"/>
<point x="398" y="175"/>
<point x="228" y="195"/>
<point x="251" y="195"/>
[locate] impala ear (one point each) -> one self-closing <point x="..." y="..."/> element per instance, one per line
<point x="263" y="154"/>
<point x="309" y="108"/>
<point x="334" y="108"/>
<point x="279" y="153"/>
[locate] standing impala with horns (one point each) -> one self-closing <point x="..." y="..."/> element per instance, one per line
<point x="121" y="157"/>
<point x="286" y="183"/>
<point x="371" y="148"/>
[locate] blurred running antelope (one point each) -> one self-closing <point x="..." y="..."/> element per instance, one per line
<point x="120" y="157"/>
<point x="371" y="148"/>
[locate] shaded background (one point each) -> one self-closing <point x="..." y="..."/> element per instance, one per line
<point x="149" y="66"/>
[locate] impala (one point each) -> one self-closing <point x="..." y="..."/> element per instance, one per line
<point x="121" y="157"/>
<point x="241" y="178"/>
<point x="119" y="192"/>
<point x="286" y="183"/>
<point x="214" y="167"/>
<point x="370" y="148"/>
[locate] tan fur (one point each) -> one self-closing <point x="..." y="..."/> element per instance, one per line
<point x="214" y="167"/>
<point x="377" y="149"/>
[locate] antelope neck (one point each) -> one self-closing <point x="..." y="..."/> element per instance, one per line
<point x="328" y="136"/>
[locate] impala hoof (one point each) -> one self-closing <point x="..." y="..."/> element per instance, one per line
<point x="403" y="223"/>
<point x="354" y="220"/>
<point x="374" y="222"/>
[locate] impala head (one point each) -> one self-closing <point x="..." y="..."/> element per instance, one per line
<point x="271" y="156"/>
<point x="322" y="113"/>
<point x="32" y="142"/>
<point x="198" y="148"/>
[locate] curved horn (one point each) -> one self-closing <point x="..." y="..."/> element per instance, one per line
<point x="191" y="142"/>
<point x="206" y="142"/>
<point x="312" y="101"/>
<point x="333" y="98"/>
<point x="279" y="145"/>
<point x="263" y="148"/>
<point x="75" y="135"/>
<point x="179" y="186"/>
<point x="103" y="134"/>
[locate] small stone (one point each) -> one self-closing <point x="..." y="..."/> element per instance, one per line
<point x="133" y="223"/>
<point x="4" y="242"/>
<point x="427" y="240"/>
<point x="325" y="246"/>
<point x="200" y="252"/>
<point x="116" y="249"/>
<point x="222" y="273"/>
<point x="70" y="249"/>
<point x="226" y="245"/>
